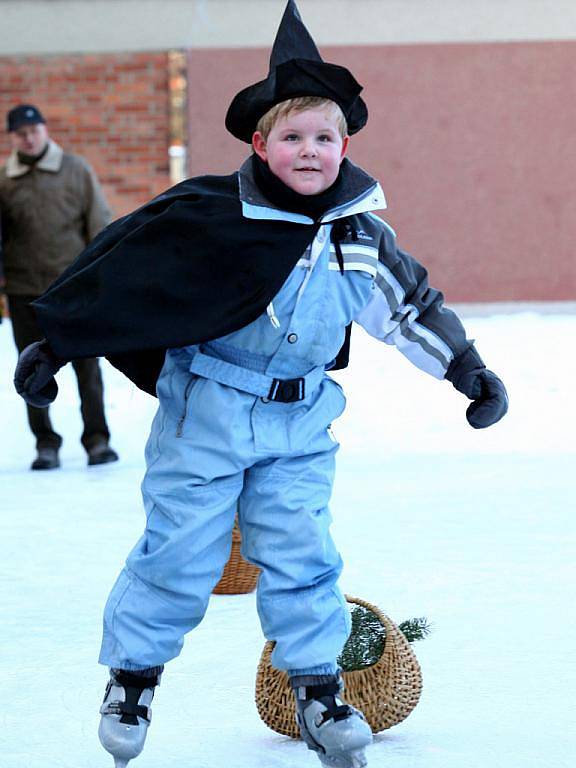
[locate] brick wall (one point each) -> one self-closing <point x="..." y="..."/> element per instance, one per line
<point x="111" y="108"/>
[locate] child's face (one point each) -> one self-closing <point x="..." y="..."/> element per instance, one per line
<point x="304" y="149"/>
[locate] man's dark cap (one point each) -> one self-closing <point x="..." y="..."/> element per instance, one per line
<point x="23" y="114"/>
<point x="296" y="69"/>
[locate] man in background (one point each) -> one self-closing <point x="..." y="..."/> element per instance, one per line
<point x="51" y="206"/>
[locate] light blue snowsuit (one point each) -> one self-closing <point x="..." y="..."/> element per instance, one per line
<point x="218" y="443"/>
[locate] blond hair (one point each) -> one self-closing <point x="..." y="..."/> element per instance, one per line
<point x="299" y="104"/>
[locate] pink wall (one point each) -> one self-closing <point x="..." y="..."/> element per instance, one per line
<point x="475" y="146"/>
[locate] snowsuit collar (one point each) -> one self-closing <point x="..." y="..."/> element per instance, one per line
<point x="360" y="193"/>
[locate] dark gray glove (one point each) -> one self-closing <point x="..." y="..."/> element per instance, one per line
<point x="34" y="376"/>
<point x="470" y="376"/>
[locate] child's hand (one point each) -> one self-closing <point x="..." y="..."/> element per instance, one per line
<point x="469" y="376"/>
<point x="489" y="396"/>
<point x="34" y="376"/>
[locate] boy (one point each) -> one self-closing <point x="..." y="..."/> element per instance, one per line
<point x="245" y="403"/>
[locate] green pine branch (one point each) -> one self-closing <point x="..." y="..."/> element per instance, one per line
<point x="415" y="629"/>
<point x="367" y="639"/>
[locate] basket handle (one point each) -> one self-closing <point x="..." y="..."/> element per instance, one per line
<point x="391" y="628"/>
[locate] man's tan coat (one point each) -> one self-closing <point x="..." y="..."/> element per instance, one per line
<point x="50" y="212"/>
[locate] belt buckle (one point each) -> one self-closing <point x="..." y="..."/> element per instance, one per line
<point x="287" y="390"/>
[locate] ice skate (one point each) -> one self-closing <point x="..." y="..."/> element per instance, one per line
<point x="337" y="732"/>
<point x="126" y="714"/>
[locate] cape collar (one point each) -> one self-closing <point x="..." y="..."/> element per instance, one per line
<point x="51" y="162"/>
<point x="360" y="194"/>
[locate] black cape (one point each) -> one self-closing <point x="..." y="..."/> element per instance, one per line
<point x="183" y="269"/>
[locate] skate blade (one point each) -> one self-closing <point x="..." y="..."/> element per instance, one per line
<point x="354" y="759"/>
<point x="358" y="760"/>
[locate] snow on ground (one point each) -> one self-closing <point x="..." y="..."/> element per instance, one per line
<point x="474" y="530"/>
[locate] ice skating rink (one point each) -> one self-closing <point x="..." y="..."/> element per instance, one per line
<point x="474" y="530"/>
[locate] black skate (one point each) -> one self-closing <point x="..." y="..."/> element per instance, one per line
<point x="126" y="713"/>
<point x="337" y="732"/>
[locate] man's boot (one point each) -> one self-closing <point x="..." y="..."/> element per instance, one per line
<point x="47" y="458"/>
<point x="101" y="453"/>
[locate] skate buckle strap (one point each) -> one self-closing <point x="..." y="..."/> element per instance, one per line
<point x="129" y="710"/>
<point x="336" y="712"/>
<point x="131" y="680"/>
<point x="133" y="685"/>
<point x="318" y="691"/>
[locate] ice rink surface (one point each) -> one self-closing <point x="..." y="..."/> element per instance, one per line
<point x="473" y="529"/>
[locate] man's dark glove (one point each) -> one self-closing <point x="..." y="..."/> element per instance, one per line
<point x="34" y="376"/>
<point x="470" y="376"/>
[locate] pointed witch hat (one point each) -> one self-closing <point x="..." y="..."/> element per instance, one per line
<point x="296" y="69"/>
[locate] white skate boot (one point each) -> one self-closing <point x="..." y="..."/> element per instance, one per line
<point x="337" y="732"/>
<point x="126" y="713"/>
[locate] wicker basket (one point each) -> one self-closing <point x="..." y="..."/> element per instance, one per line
<point x="239" y="576"/>
<point x="386" y="692"/>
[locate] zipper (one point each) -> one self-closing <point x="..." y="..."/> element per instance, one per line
<point x="180" y="427"/>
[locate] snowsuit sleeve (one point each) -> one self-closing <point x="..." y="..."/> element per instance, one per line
<point x="405" y="311"/>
